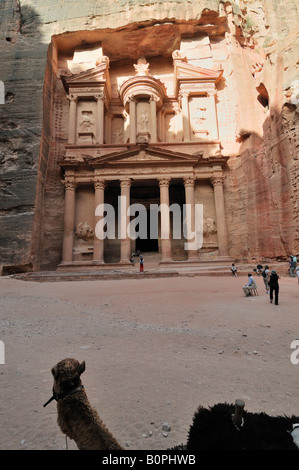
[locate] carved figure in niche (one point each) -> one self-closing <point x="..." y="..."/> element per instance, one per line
<point x="172" y="128"/>
<point x="200" y="116"/>
<point x="209" y="226"/>
<point x="142" y="67"/>
<point x="117" y="136"/>
<point x="83" y="231"/>
<point x="86" y="121"/>
<point x="143" y="122"/>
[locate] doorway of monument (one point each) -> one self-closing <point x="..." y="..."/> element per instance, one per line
<point x="145" y="197"/>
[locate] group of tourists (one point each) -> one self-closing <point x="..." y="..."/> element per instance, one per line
<point x="140" y="258"/>
<point x="270" y="278"/>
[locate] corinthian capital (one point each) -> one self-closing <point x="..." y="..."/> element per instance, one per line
<point x="125" y="183"/>
<point x="164" y="182"/>
<point x="99" y="183"/>
<point x="217" y="180"/>
<point x="189" y="181"/>
<point x="69" y="183"/>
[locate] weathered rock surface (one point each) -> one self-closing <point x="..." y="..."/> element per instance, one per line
<point x="256" y="42"/>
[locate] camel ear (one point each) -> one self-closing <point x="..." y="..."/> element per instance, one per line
<point x="81" y="368"/>
<point x="54" y="372"/>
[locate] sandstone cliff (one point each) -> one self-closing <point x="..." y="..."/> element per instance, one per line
<point x="256" y="43"/>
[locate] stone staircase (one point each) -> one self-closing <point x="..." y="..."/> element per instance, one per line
<point x="152" y="269"/>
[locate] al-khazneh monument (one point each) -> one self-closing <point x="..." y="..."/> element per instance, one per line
<point x="155" y="103"/>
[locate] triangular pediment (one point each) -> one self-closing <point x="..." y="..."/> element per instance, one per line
<point x="184" y="70"/>
<point x="95" y="77"/>
<point x="143" y="157"/>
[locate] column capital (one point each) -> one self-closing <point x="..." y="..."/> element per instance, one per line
<point x="164" y="181"/>
<point x="72" y="97"/>
<point x="189" y="181"/>
<point x="131" y="99"/>
<point x="99" y="96"/>
<point x="217" y="180"/>
<point x="153" y="98"/>
<point x="184" y="93"/>
<point x="99" y="183"/>
<point x="211" y="93"/>
<point x="69" y="183"/>
<point x="125" y="183"/>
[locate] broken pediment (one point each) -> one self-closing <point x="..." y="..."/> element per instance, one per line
<point x="95" y="78"/>
<point x="142" y="156"/>
<point x="186" y="73"/>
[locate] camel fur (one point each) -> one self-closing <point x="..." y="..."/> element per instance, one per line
<point x="77" y="419"/>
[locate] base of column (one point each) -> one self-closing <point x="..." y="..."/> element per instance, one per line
<point x="193" y="255"/>
<point x="125" y="262"/>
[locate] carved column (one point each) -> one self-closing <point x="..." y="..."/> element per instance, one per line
<point x="190" y="214"/>
<point x="100" y="118"/>
<point x="69" y="217"/>
<point x="213" y="123"/>
<point x="125" y="248"/>
<point x="165" y="219"/>
<point x="217" y="182"/>
<point x="153" y="118"/>
<point x="132" y="112"/>
<point x="72" y="118"/>
<point x="98" y="243"/>
<point x="184" y="95"/>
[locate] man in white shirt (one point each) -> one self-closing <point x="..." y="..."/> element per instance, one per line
<point x="250" y="284"/>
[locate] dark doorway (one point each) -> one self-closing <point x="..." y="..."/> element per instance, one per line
<point x="149" y="243"/>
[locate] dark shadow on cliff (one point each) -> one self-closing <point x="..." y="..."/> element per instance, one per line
<point x="266" y="173"/>
<point x="22" y="72"/>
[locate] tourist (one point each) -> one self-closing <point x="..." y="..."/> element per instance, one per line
<point x="297" y="271"/>
<point x="234" y="270"/>
<point x="274" y="286"/>
<point x="291" y="267"/>
<point x="250" y="285"/>
<point x="295" y="262"/>
<point x="141" y="263"/>
<point x="259" y="269"/>
<point x="266" y="276"/>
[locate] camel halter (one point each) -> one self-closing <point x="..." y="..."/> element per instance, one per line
<point x="60" y="396"/>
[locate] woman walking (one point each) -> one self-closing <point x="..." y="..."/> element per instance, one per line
<point x="274" y="286"/>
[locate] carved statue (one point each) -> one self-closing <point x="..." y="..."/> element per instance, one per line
<point x="209" y="226"/>
<point x="143" y="122"/>
<point x="178" y="55"/>
<point x="200" y="116"/>
<point x="84" y="231"/>
<point x="86" y="121"/>
<point x="117" y="136"/>
<point x="142" y="67"/>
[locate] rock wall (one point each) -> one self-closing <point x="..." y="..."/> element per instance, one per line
<point x="257" y="44"/>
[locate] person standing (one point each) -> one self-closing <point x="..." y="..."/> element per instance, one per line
<point x="297" y="271"/>
<point x="266" y="277"/>
<point x="274" y="286"/>
<point x="291" y="266"/>
<point x="141" y="263"/>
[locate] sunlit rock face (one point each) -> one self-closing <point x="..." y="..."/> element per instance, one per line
<point x="253" y="45"/>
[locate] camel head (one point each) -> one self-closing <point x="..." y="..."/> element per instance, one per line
<point x="67" y="375"/>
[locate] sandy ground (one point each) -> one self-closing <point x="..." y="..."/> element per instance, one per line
<point x="154" y="349"/>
